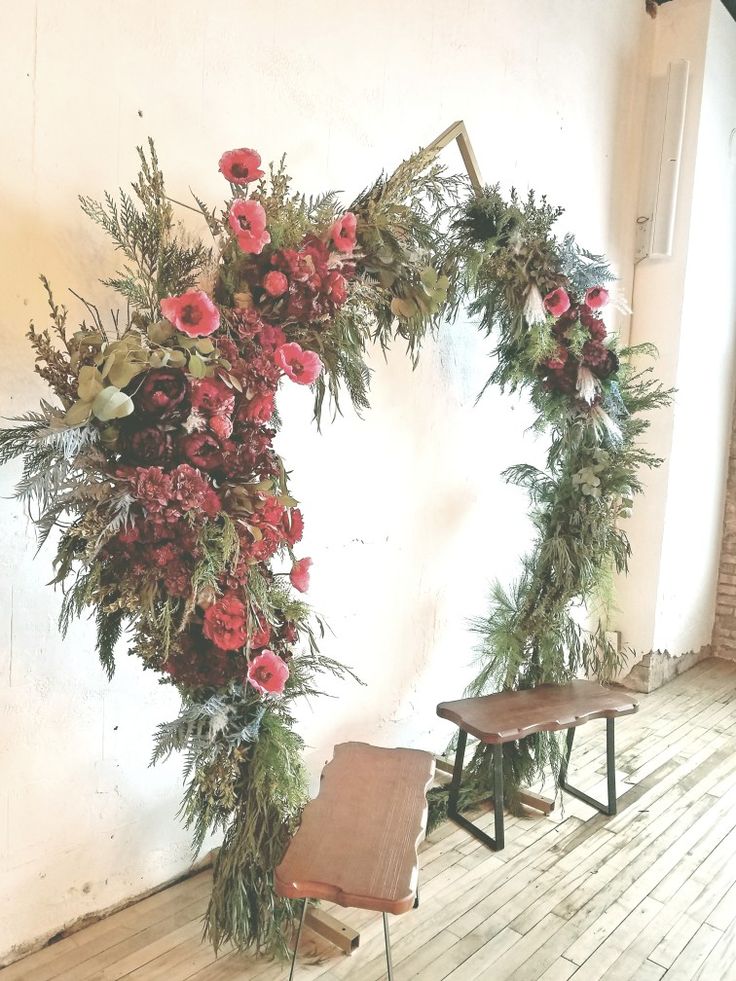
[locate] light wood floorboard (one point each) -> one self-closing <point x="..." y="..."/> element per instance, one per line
<point x="648" y="894"/>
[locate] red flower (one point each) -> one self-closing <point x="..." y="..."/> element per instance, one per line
<point x="558" y="359"/>
<point x="221" y="426"/>
<point x="148" y="445"/>
<point x="271" y="337"/>
<point x="193" y="313"/>
<point x="343" y="232"/>
<point x="303" y="367"/>
<point x="261" y="635"/>
<point x="596" y="297"/>
<point x="336" y="287"/>
<point x="212" y="397"/>
<point x="275" y="283"/>
<point x="152" y="487"/>
<point x="292" y="524"/>
<point x="241" y="166"/>
<point x="299" y="575"/>
<point x="557" y="302"/>
<point x="202" y="450"/>
<point x="189" y="487"/>
<point x="163" y="393"/>
<point x="224" y="623"/>
<point x="267" y="673"/>
<point x="248" y="221"/>
<point x="260" y="408"/>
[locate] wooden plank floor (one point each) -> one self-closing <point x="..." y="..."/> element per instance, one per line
<point x="648" y="894"/>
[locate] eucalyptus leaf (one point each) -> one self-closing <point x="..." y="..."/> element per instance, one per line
<point x="111" y="403"/>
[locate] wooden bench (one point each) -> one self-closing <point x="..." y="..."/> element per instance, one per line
<point x="513" y="715"/>
<point x="357" y="841"/>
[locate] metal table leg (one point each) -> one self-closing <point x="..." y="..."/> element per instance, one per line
<point x="611" y="807"/>
<point x="496" y="843"/>
<point x="298" y="938"/>
<point x="388" y="948"/>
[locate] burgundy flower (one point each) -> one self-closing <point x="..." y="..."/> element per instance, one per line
<point x="275" y="283"/>
<point x="163" y="393"/>
<point x="241" y="166"/>
<point x="271" y="337"/>
<point x="224" y="623"/>
<point x="303" y="367"/>
<point x="299" y="575"/>
<point x="343" y="232"/>
<point x="193" y="313"/>
<point x="610" y="365"/>
<point x="268" y="673"/>
<point x="152" y="487"/>
<point x="557" y="302"/>
<point x="149" y="445"/>
<point x="221" y="426"/>
<point x="202" y="450"/>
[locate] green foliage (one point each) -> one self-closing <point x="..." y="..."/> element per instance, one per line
<point x="157" y="263"/>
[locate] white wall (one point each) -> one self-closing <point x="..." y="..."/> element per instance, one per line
<point x="687" y="305"/>
<point x="407" y="519"/>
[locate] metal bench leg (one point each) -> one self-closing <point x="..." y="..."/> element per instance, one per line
<point x="496" y="843"/>
<point x="611" y="807"/>
<point x="298" y="938"/>
<point x="388" y="948"/>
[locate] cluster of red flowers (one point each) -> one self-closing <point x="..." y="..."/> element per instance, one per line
<point x="198" y="447"/>
<point x="562" y="371"/>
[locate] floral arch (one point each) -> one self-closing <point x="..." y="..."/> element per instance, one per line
<point x="173" y="515"/>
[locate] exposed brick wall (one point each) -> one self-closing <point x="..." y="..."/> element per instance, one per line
<point x="724" y="631"/>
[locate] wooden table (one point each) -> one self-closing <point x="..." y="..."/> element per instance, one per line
<point x="509" y="716"/>
<point x="358" y="839"/>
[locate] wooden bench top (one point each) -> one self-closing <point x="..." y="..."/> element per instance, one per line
<point x="511" y="715"/>
<point x="357" y="842"/>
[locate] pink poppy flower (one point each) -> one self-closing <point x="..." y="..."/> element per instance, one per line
<point x="193" y="313"/>
<point x="303" y="367"/>
<point x="299" y="575"/>
<point x="557" y="302"/>
<point x="596" y="297"/>
<point x="248" y="221"/>
<point x="268" y="673"/>
<point x="275" y="283"/>
<point x="344" y="232"/>
<point x="241" y="166"/>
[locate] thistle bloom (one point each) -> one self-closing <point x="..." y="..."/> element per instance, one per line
<point x="344" y="232"/>
<point x="268" y="673"/>
<point x="241" y="166"/>
<point x="193" y="313"/>
<point x="248" y="221"/>
<point x="303" y="367"/>
<point x="557" y="302"/>
<point x="596" y="297"/>
<point x="299" y="575"/>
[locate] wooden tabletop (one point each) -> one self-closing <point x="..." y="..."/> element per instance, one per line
<point x="511" y="715"/>
<point x="357" y="842"/>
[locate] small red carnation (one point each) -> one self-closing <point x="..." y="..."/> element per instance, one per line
<point x="275" y="283"/>
<point x="344" y="232"/>
<point x="221" y="426"/>
<point x="303" y="367"/>
<point x="292" y="524"/>
<point x="299" y="575"/>
<point x="241" y="166"/>
<point x="260" y="408"/>
<point x="224" y="623"/>
<point x="152" y="487"/>
<point x="212" y="397"/>
<point x="271" y="337"/>
<point x="193" y="313"/>
<point x="336" y="287"/>
<point x="261" y="635"/>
